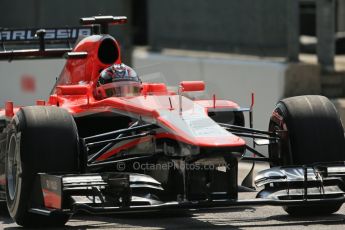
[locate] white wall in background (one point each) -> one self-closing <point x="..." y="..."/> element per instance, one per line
<point x="25" y="81"/>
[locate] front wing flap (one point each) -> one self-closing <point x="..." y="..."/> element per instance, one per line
<point x="302" y="182"/>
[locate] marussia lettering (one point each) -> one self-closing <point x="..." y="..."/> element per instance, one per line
<point x="51" y="34"/>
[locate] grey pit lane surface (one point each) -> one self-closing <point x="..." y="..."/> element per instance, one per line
<point x="266" y="217"/>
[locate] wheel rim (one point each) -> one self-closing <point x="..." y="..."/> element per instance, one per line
<point x="13" y="167"/>
<point x="280" y="152"/>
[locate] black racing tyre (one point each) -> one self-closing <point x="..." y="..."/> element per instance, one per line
<point x="314" y="133"/>
<point x="40" y="139"/>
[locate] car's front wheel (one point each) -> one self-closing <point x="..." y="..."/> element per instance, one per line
<point x="40" y="139"/>
<point x="312" y="132"/>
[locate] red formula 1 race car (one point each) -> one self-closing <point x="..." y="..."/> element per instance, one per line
<point x="105" y="142"/>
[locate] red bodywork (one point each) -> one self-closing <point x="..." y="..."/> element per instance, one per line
<point x="76" y="87"/>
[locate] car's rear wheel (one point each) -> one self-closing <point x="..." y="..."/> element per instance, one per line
<point x="312" y="132"/>
<point x="40" y="139"/>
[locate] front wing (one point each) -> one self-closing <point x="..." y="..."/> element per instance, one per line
<point x="130" y="192"/>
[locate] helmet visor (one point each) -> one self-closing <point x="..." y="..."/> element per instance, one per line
<point x="122" y="89"/>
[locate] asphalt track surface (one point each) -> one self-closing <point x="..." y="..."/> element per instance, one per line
<point x="264" y="217"/>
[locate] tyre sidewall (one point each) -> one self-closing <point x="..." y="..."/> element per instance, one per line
<point x="18" y="206"/>
<point x="280" y="153"/>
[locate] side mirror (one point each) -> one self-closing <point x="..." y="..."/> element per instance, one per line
<point x="191" y="86"/>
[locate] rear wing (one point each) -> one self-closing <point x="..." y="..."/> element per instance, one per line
<point x="53" y="42"/>
<point x="39" y="43"/>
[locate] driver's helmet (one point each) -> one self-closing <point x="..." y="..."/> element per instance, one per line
<point x="119" y="80"/>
